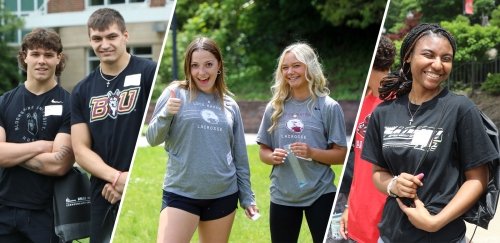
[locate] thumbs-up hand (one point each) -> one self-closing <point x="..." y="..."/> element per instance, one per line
<point x="173" y="103"/>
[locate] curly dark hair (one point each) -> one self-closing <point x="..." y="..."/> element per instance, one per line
<point x="399" y="82"/>
<point x="384" y="57"/>
<point x="41" y="38"/>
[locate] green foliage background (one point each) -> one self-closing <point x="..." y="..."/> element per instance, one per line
<point x="492" y="84"/>
<point x="252" y="35"/>
<point x="473" y="38"/>
<point x="9" y="72"/>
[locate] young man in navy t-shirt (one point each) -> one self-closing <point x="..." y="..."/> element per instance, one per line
<point x="35" y="143"/>
<point x="107" y="111"/>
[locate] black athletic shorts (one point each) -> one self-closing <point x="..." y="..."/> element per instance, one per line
<point x="207" y="209"/>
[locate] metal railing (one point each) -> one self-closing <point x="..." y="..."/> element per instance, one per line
<point x="472" y="74"/>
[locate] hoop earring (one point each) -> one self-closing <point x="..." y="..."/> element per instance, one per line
<point x="219" y="72"/>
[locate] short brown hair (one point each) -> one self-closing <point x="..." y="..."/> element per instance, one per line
<point x="102" y="18"/>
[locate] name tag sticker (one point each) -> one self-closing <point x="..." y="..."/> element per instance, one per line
<point x="132" y="80"/>
<point x="53" y="110"/>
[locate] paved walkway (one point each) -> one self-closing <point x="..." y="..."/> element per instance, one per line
<point x="492" y="235"/>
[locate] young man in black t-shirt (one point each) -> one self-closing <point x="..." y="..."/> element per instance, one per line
<point x="107" y="111"/>
<point x="35" y="143"/>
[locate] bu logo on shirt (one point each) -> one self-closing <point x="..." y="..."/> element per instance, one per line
<point x="113" y="104"/>
<point x="295" y="125"/>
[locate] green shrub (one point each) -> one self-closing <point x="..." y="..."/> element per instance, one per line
<point x="492" y="84"/>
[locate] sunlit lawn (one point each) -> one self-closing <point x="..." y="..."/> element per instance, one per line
<point x="141" y="207"/>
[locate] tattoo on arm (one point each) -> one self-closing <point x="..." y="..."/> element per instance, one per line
<point x="63" y="152"/>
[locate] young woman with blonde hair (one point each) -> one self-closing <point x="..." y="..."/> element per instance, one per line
<point x="302" y="133"/>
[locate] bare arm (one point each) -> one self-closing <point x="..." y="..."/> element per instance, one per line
<point x="12" y="154"/>
<point x="381" y="178"/>
<point x="56" y="162"/>
<point x="332" y="156"/>
<point x="89" y="160"/>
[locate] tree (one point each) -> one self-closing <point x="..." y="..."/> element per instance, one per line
<point x="9" y="71"/>
<point x="472" y="40"/>
<point x="353" y="13"/>
<point x="429" y="11"/>
<point x="495" y="17"/>
<point x="252" y="33"/>
<point x="482" y="11"/>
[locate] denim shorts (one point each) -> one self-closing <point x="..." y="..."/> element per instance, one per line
<point x="207" y="209"/>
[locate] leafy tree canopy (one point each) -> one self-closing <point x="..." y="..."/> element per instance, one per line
<point x="472" y="40"/>
<point x="353" y="13"/>
<point x="252" y="34"/>
<point x="8" y="61"/>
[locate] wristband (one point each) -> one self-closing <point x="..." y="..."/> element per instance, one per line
<point x="117" y="176"/>
<point x="389" y="187"/>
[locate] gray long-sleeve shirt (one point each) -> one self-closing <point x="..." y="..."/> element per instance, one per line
<point x="206" y="146"/>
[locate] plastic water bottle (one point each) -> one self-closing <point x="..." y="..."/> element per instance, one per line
<point x="335" y="227"/>
<point x="297" y="170"/>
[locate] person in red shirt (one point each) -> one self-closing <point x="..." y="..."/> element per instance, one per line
<point x="365" y="203"/>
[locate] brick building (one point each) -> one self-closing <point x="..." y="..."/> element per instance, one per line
<point x="146" y="20"/>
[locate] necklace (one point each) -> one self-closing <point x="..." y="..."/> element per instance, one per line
<point x="409" y="111"/>
<point x="111" y="79"/>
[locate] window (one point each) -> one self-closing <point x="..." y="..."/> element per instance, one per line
<point x="10" y="37"/>
<point x="20" y="8"/>
<point x="27" y="5"/>
<point x="140" y="51"/>
<point x="96" y="2"/>
<point x="93" y="60"/>
<point x="108" y="2"/>
<point x="16" y="37"/>
<point x="11" y="5"/>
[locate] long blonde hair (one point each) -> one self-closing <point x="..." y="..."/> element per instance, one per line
<point x="316" y="81"/>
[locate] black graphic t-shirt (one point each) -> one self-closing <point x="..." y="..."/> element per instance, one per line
<point x="27" y="117"/>
<point x="460" y="143"/>
<point x="113" y="114"/>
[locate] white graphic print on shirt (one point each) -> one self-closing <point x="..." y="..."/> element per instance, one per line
<point x="411" y="137"/>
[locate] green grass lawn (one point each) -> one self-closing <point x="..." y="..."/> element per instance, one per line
<point x="141" y="207"/>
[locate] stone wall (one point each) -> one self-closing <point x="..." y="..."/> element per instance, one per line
<point x="252" y="112"/>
